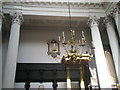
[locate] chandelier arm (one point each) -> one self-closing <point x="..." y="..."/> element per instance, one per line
<point x="82" y="50"/>
<point x="68" y="48"/>
<point x="65" y="49"/>
<point x="77" y="49"/>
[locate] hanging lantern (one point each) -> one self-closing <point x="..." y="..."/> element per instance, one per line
<point x="53" y="48"/>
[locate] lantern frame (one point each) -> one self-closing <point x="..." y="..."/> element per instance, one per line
<point x="53" y="48"/>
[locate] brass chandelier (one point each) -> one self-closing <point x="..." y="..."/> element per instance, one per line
<point x="73" y="48"/>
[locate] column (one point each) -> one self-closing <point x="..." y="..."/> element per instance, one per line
<point x="11" y="58"/>
<point x="113" y="40"/>
<point x="117" y="17"/>
<point x="101" y="63"/>
<point x="0" y="50"/>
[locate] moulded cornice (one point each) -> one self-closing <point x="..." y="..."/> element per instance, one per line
<point x="55" y="8"/>
<point x="94" y="1"/>
<point x="53" y="4"/>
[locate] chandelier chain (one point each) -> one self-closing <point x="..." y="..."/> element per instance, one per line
<point x="70" y="18"/>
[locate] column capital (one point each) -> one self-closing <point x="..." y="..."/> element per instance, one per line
<point x="109" y="20"/>
<point x="115" y="10"/>
<point x="16" y="17"/>
<point x="93" y="21"/>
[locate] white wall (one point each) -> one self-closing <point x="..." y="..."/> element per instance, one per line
<point x="33" y="45"/>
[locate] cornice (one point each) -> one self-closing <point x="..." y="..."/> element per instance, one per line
<point x="93" y="1"/>
<point x="55" y="8"/>
<point x="58" y="4"/>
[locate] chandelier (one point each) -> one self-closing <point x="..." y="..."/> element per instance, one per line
<point x="73" y="48"/>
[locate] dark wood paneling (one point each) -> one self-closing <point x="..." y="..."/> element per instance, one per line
<point x="48" y="72"/>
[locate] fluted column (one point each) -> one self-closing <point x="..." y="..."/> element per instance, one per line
<point x="11" y="58"/>
<point x="114" y="44"/>
<point x="101" y="63"/>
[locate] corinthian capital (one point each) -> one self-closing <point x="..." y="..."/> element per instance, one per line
<point x="93" y="21"/>
<point x="16" y="17"/>
<point x="109" y="20"/>
<point x="115" y="10"/>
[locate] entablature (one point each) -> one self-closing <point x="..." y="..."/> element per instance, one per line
<point x="78" y="9"/>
